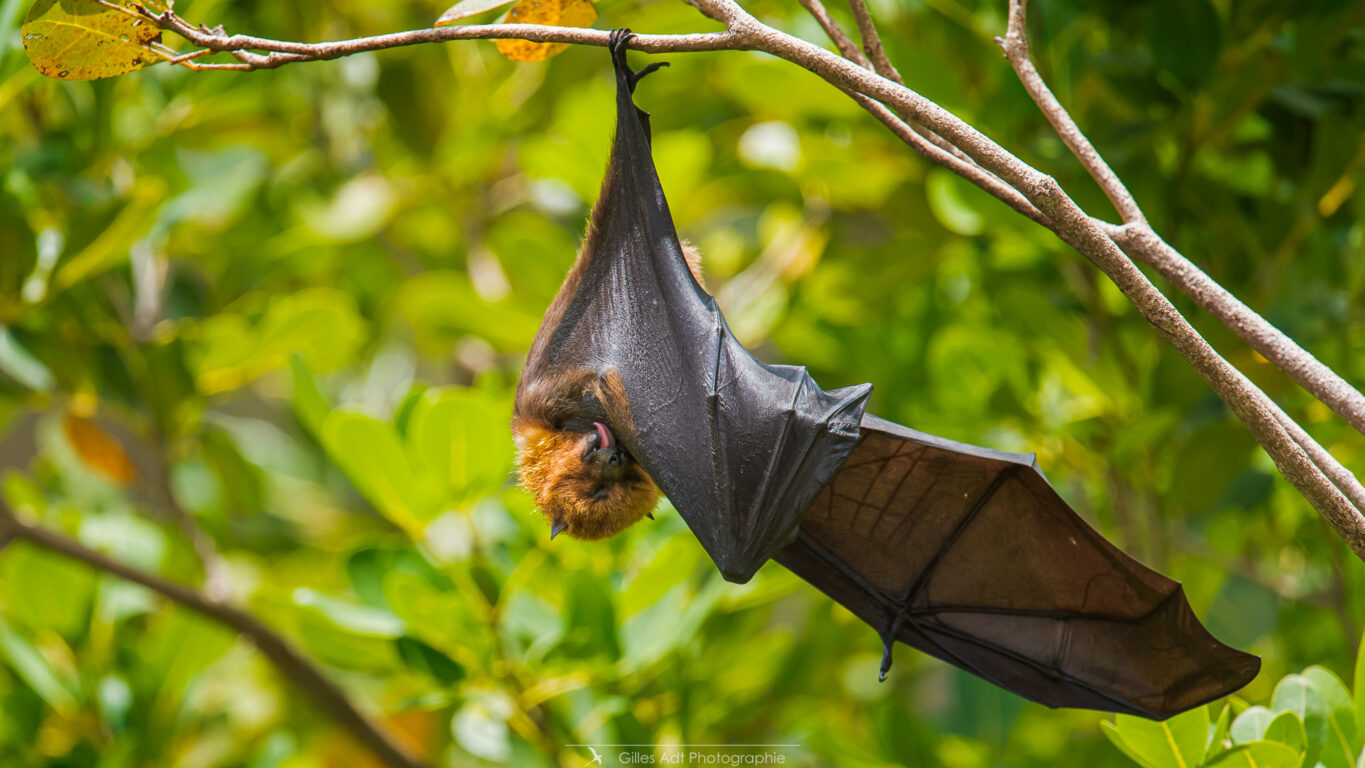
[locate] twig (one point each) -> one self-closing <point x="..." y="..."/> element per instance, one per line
<point x="836" y="33"/>
<point x="1015" y="46"/>
<point x="872" y="42"/>
<point x="294" y="666"/>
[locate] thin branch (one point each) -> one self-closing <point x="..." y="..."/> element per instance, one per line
<point x="836" y="33"/>
<point x="293" y="665"/>
<point x="1015" y="46"/>
<point x="281" y="52"/>
<point x="872" y="42"/>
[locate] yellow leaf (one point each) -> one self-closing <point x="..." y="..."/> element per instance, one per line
<point x="83" y="40"/>
<point x="554" y="13"/>
<point x="98" y="450"/>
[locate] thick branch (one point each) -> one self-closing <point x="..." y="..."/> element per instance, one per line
<point x="294" y="666"/>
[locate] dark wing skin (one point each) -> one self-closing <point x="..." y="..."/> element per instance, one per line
<point x="969" y="555"/>
<point x="741" y="448"/>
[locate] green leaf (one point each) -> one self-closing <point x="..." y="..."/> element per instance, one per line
<point x="369" y="452"/>
<point x="1287" y="729"/>
<point x="1259" y="754"/>
<point x="442" y="308"/>
<point x="347" y="635"/>
<point x="1112" y="733"/>
<point x="83" y="40"/>
<point x="1342" y="742"/>
<point x="429" y="661"/>
<point x="61" y="604"/>
<point x="948" y="201"/>
<point x="321" y="325"/>
<point x="462" y="436"/>
<point x="309" y="404"/>
<point x="352" y="617"/>
<point x="1295" y="693"/>
<point x="1250" y="725"/>
<point x="22" y="366"/>
<point x="1360" y="689"/>
<point x="1178" y="742"/>
<point x="31" y="667"/>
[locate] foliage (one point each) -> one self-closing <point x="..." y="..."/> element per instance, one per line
<point x="1313" y="720"/>
<point x="309" y="291"/>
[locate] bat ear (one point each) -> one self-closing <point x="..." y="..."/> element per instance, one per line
<point x="557" y="527"/>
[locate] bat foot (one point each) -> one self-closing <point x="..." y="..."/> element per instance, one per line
<point x="616" y="43"/>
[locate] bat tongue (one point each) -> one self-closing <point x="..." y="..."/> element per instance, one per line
<point x="608" y="439"/>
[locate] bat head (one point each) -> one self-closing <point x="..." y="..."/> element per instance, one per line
<point x="585" y="483"/>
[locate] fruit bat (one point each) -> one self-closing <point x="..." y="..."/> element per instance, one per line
<point x="635" y="387"/>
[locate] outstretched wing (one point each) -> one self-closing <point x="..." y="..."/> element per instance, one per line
<point x="969" y="555"/>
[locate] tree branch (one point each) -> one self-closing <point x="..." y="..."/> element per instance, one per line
<point x="292" y="665"/>
<point x="1074" y="227"/>
<point x="1141" y="242"/>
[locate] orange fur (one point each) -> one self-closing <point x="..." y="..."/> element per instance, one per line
<point x="564" y="486"/>
<point x="550" y="460"/>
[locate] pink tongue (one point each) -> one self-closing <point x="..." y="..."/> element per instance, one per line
<point x="605" y="434"/>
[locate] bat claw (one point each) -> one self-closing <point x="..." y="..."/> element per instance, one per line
<point x="617" y="43"/>
<point x="886" y="659"/>
<point x="649" y="515"/>
<point x="558" y="527"/>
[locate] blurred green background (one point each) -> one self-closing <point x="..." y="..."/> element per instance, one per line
<point x="310" y="290"/>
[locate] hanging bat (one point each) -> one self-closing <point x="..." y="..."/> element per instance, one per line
<point x="635" y="388"/>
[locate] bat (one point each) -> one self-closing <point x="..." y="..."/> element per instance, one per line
<point x="634" y="387"/>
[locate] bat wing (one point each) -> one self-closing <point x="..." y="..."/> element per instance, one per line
<point x="969" y="555"/>
<point x="739" y="447"/>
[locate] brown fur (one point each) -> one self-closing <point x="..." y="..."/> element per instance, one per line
<point x="550" y="460"/>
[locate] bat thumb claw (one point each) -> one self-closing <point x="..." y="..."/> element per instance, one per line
<point x="886" y="660"/>
<point x="558" y="527"/>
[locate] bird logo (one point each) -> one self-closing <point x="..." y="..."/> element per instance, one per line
<point x="596" y="758"/>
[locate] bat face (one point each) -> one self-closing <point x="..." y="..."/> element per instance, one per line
<point x="585" y="483"/>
